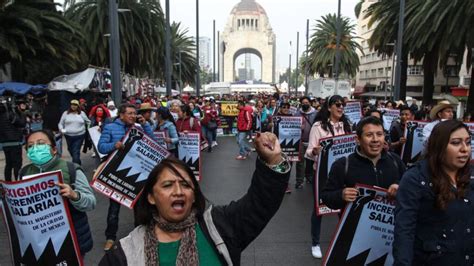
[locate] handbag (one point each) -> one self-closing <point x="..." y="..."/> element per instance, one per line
<point x="212" y="124"/>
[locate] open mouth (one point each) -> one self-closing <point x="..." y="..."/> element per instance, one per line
<point x="178" y="205"/>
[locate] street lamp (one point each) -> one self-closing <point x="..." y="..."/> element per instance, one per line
<point x="398" y="72"/>
<point x="180" y="83"/>
<point x="114" y="50"/>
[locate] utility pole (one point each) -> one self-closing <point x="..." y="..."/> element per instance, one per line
<point x="307" y="60"/>
<point x="398" y="73"/>
<point x="214" y="50"/>
<point x="218" y="57"/>
<point x="289" y="71"/>
<point x="198" y="67"/>
<point x="338" y="41"/>
<point x="115" y="53"/>
<point x="168" y="49"/>
<point x="297" y="60"/>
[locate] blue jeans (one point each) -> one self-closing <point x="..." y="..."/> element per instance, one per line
<point x="74" y="144"/>
<point x="244" y="146"/>
<point x="208" y="134"/>
<point x="315" y="225"/>
<point x="112" y="220"/>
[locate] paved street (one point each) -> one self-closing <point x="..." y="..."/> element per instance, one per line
<point x="285" y="241"/>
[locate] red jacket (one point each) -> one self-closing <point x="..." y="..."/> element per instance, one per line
<point x="209" y="114"/>
<point x="244" y="120"/>
<point x="185" y="125"/>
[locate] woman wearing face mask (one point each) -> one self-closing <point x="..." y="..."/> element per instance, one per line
<point x="41" y="150"/>
<point x="73" y="125"/>
<point x="176" y="228"/>
<point x="434" y="211"/>
<point x="330" y="122"/>
<point x="304" y="168"/>
<point x="166" y="124"/>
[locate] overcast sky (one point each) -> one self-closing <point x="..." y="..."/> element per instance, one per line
<point x="286" y="18"/>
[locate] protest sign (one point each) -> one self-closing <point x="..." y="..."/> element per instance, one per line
<point x="389" y="115"/>
<point x="353" y="112"/>
<point x="125" y="172"/>
<point x="160" y="138"/>
<point x="413" y="147"/>
<point x="288" y="131"/>
<point x="229" y="109"/>
<point x="332" y="149"/>
<point x="189" y="152"/>
<point x="94" y="133"/>
<point x="38" y="222"/>
<point x="293" y="110"/>
<point x="364" y="234"/>
<point x="471" y="129"/>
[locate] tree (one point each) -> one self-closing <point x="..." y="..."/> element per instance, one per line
<point x="322" y="47"/>
<point x="183" y="48"/>
<point x="358" y="8"/>
<point x="141" y="34"/>
<point x="38" y="41"/>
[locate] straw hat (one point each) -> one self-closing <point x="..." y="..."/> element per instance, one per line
<point x="145" y="107"/>
<point x="440" y="107"/>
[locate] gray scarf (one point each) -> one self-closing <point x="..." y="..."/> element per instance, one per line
<point x="187" y="253"/>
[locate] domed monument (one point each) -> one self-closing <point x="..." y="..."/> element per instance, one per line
<point x="248" y="31"/>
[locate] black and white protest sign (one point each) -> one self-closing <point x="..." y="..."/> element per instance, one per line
<point x="288" y="130"/>
<point x="189" y="152"/>
<point x="332" y="149"/>
<point x="389" y="115"/>
<point x="94" y="133"/>
<point x="39" y="225"/>
<point x="353" y="112"/>
<point x="471" y="129"/>
<point x="125" y="172"/>
<point x="160" y="137"/>
<point x="414" y="145"/>
<point x="364" y="234"/>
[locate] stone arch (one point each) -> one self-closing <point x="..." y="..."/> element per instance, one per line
<point x="246" y="50"/>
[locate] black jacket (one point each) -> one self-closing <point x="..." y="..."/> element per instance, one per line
<point x="425" y="235"/>
<point x="360" y="170"/>
<point x="239" y="222"/>
<point x="12" y="125"/>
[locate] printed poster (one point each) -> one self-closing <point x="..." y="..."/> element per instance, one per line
<point x="364" y="234"/>
<point x="229" y="109"/>
<point x="413" y="147"/>
<point x="160" y="138"/>
<point x="332" y="149"/>
<point x="471" y="129"/>
<point x="124" y="174"/>
<point x="39" y="224"/>
<point x="353" y="112"/>
<point x="189" y="152"/>
<point x="389" y="115"/>
<point x="288" y="131"/>
<point x="94" y="133"/>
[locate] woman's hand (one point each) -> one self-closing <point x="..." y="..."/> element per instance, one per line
<point x="316" y="150"/>
<point x="67" y="192"/>
<point x="167" y="140"/>
<point x="268" y="148"/>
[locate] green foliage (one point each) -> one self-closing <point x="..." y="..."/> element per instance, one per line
<point x="322" y="47"/>
<point x="38" y="41"/>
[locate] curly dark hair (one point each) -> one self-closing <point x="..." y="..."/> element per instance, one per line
<point x="436" y="156"/>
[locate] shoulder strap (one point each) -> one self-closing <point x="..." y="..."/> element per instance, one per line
<point x="216" y="238"/>
<point x="71" y="168"/>
<point x="191" y="122"/>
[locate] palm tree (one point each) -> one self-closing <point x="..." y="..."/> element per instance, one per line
<point x="358" y="8"/>
<point x="183" y="47"/>
<point x="38" y="41"/>
<point x="322" y="47"/>
<point x="141" y="30"/>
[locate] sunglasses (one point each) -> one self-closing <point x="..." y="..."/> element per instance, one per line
<point x="339" y="105"/>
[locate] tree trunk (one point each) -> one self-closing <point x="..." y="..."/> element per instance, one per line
<point x="428" y="77"/>
<point x="470" y="99"/>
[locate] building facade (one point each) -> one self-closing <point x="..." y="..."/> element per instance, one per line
<point x="205" y="54"/>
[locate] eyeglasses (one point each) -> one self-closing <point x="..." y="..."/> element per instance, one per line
<point x="339" y="105"/>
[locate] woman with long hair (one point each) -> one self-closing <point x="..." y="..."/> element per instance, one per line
<point x="329" y="122"/>
<point x="176" y="228"/>
<point x="186" y="121"/>
<point x="166" y="124"/>
<point x="73" y="126"/>
<point x="434" y="214"/>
